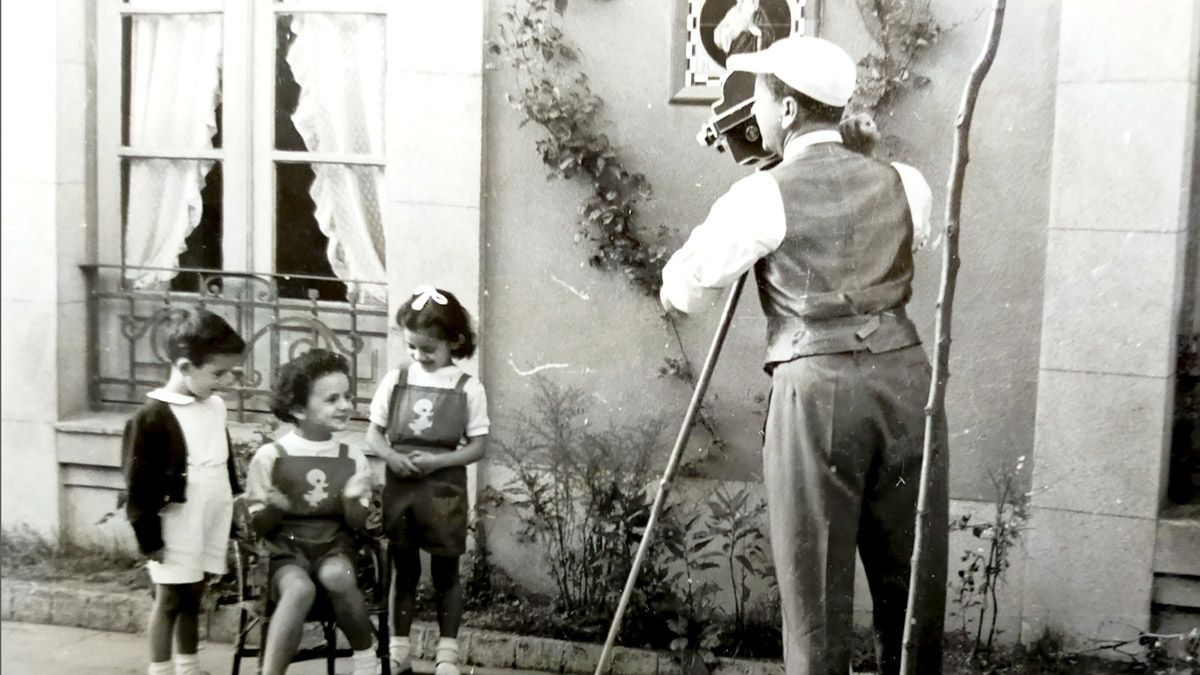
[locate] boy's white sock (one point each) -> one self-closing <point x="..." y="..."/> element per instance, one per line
<point x="161" y="668"/>
<point x="365" y="662"/>
<point x="447" y="657"/>
<point x="187" y="664"/>
<point x="400" y="649"/>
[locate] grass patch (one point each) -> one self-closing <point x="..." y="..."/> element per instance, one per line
<point x="25" y="554"/>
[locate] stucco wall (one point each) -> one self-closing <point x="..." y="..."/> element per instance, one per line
<point x="44" y="224"/>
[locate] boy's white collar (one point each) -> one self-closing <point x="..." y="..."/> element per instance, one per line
<point x="170" y="397"/>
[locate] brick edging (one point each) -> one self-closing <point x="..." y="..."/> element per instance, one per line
<point x="127" y="611"/>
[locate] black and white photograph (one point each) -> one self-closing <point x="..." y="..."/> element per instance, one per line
<point x="600" y="337"/>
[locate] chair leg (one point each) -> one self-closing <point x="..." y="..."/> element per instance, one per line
<point x="383" y="635"/>
<point x="330" y="647"/>
<point x="263" y="625"/>
<point x="240" y="643"/>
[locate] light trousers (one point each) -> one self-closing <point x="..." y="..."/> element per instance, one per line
<point x="841" y="465"/>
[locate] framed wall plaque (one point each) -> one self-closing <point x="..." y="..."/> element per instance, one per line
<point x="705" y="31"/>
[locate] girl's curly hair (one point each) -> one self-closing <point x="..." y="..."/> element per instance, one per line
<point x="295" y="379"/>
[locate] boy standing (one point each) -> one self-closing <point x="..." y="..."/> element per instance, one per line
<point x="180" y="479"/>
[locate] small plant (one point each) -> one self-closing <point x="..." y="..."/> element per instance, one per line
<point x="734" y="523"/>
<point x="580" y="494"/>
<point x="693" y="614"/>
<point x="479" y="583"/>
<point x="721" y="537"/>
<point x="975" y="590"/>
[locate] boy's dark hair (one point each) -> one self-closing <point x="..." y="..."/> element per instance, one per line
<point x="199" y="335"/>
<point x="816" y="110"/>
<point x="294" y="382"/>
<point x="449" y="322"/>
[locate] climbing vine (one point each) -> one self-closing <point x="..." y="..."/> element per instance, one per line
<point x="900" y="29"/>
<point x="553" y="92"/>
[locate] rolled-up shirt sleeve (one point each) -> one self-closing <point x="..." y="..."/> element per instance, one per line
<point x="743" y="225"/>
<point x="920" y="203"/>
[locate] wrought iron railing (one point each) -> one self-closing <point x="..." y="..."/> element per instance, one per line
<point x="128" y="327"/>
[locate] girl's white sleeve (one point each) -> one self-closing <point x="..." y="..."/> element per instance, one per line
<point x="383" y="396"/>
<point x="477" y="413"/>
<point x="263" y="515"/>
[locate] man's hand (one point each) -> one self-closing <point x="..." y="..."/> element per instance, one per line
<point x="666" y="303"/>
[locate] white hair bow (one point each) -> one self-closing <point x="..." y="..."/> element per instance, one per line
<point x="424" y="294"/>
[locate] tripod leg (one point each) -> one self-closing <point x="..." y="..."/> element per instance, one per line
<point x="681" y="440"/>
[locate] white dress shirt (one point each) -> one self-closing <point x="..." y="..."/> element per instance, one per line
<point x="748" y="222"/>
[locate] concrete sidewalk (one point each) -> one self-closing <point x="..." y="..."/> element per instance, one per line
<point x="40" y="649"/>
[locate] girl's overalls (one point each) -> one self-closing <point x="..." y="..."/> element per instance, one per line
<point x="315" y="526"/>
<point x="430" y="511"/>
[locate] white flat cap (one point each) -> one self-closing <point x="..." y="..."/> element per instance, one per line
<point x="814" y="67"/>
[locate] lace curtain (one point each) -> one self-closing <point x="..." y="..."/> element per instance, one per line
<point x="174" y="88"/>
<point x="338" y="62"/>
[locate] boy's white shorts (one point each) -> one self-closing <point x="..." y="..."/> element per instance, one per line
<point x="196" y="532"/>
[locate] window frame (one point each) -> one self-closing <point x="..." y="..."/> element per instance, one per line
<point x="247" y="153"/>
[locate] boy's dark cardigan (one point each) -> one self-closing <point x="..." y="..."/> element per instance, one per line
<point x="154" y="461"/>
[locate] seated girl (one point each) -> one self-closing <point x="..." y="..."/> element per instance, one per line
<point x="305" y="492"/>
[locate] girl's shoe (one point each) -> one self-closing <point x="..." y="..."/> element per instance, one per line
<point x="400" y="656"/>
<point x="447" y="657"/>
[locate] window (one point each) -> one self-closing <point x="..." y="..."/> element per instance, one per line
<point x="243" y="136"/>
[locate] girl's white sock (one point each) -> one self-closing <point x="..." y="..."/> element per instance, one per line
<point x="365" y="661"/>
<point x="187" y="664"/>
<point x="161" y="668"/>
<point x="447" y="657"/>
<point x="400" y="651"/>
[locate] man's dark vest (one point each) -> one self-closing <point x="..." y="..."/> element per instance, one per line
<point x="841" y="277"/>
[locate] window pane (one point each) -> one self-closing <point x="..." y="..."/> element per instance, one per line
<point x="204" y="243"/>
<point x="300" y="246"/>
<point x="168" y="205"/>
<point x="287" y="92"/>
<point x="171" y="81"/>
<point x="329" y="83"/>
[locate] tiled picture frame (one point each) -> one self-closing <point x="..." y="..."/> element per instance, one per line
<point x="697" y="64"/>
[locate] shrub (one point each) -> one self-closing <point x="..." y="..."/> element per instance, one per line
<point x="580" y="492"/>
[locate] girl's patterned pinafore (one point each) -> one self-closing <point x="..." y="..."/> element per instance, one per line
<point x="430" y="511"/>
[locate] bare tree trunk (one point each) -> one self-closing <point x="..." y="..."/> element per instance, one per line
<point x="935" y="408"/>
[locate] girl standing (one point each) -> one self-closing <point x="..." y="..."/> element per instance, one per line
<point x="429" y="421"/>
